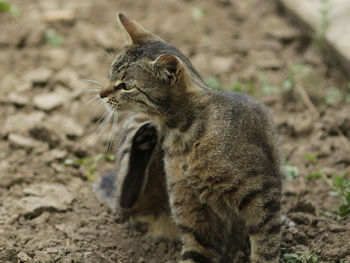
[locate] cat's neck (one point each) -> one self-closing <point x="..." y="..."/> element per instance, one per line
<point x="186" y="124"/>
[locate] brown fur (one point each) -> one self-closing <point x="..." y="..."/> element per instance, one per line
<point x="220" y="150"/>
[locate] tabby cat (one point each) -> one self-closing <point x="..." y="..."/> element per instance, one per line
<point x="219" y="150"/>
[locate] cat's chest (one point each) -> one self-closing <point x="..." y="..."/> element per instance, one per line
<point x="176" y="167"/>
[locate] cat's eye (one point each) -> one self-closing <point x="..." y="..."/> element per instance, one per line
<point x="123" y="86"/>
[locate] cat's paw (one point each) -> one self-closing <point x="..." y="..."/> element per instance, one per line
<point x="146" y="137"/>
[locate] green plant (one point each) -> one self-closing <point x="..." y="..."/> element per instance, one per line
<point x="340" y="187"/>
<point x="52" y="38"/>
<point x="90" y="163"/>
<point x="236" y="86"/>
<point x="213" y="83"/>
<point x="306" y="257"/>
<point x="266" y="87"/>
<point x="324" y="22"/>
<point x="312" y="158"/>
<point x="289" y="171"/>
<point x="6" y="7"/>
<point x="198" y="13"/>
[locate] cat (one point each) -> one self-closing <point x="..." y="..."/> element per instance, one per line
<point x="137" y="189"/>
<point x="219" y="151"/>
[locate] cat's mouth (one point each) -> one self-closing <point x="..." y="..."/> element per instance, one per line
<point x="112" y="101"/>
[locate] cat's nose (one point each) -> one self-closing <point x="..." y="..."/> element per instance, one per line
<point x="105" y="91"/>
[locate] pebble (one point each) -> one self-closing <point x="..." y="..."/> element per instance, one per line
<point x="301" y="218"/>
<point x="43" y="197"/>
<point x="336" y="228"/>
<point x="22" y="122"/>
<point x="49" y="101"/>
<point x="38" y="76"/>
<point x="56" y="57"/>
<point x="19" y="100"/>
<point x="47" y="134"/>
<point x="52" y="250"/>
<point x="66" y="125"/>
<point x="69" y="78"/>
<point x="222" y="64"/>
<point x="23" y="256"/>
<point x="24" y="142"/>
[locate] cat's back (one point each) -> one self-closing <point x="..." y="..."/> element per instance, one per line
<point x="244" y="127"/>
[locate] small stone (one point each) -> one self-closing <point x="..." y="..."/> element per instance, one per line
<point x="42" y="257"/>
<point x="304" y="206"/>
<point x="69" y="78"/>
<point x="336" y="228"/>
<point x="10" y="179"/>
<point x="66" y="125"/>
<point x="222" y="64"/>
<point x="49" y="101"/>
<point x="312" y="232"/>
<point x="42" y="219"/>
<point x="24" y="87"/>
<point x="52" y="250"/>
<point x="21" y="122"/>
<point x="19" y="100"/>
<point x="44" y="197"/>
<point x="58" y="154"/>
<point x="59" y="15"/>
<point x="23" y="256"/>
<point x="38" y="76"/>
<point x="301" y="218"/>
<point x="46" y="134"/>
<point x="56" y="57"/>
<point x="24" y="142"/>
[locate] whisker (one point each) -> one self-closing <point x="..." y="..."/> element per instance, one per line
<point x="79" y="93"/>
<point x="94" y="98"/>
<point x="104" y="52"/>
<point x="102" y="126"/>
<point x="114" y="128"/>
<point x="93" y="81"/>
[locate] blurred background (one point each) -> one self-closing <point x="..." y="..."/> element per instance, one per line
<point x="48" y="150"/>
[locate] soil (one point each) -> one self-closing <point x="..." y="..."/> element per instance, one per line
<point x="48" y="212"/>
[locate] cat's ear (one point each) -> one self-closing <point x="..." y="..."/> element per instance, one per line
<point x="171" y="66"/>
<point x="133" y="32"/>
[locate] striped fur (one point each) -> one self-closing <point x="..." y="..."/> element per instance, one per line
<point x="220" y="149"/>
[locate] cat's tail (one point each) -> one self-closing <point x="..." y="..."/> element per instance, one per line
<point x="104" y="190"/>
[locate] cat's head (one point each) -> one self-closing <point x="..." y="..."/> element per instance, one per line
<point x="148" y="73"/>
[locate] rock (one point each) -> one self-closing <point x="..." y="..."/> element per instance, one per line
<point x="42" y="257"/>
<point x="23" y="256"/>
<point x="9" y="179"/>
<point x="38" y="76"/>
<point x="56" y="57"/>
<point x="22" y="122"/>
<point x="24" y="142"/>
<point x="42" y="219"/>
<point x="336" y="228"/>
<point x="19" y="100"/>
<point x="63" y="15"/>
<point x="66" y="125"/>
<point x="49" y="101"/>
<point x="24" y="87"/>
<point x="281" y="30"/>
<point x="222" y="64"/>
<point x="304" y="206"/>
<point x="301" y="218"/>
<point x="52" y="250"/>
<point x="46" y="134"/>
<point x="44" y="197"/>
<point x="68" y="78"/>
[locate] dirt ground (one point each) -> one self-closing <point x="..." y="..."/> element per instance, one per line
<point x="48" y="212"/>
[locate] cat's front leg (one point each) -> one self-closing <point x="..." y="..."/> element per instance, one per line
<point x="203" y="233"/>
